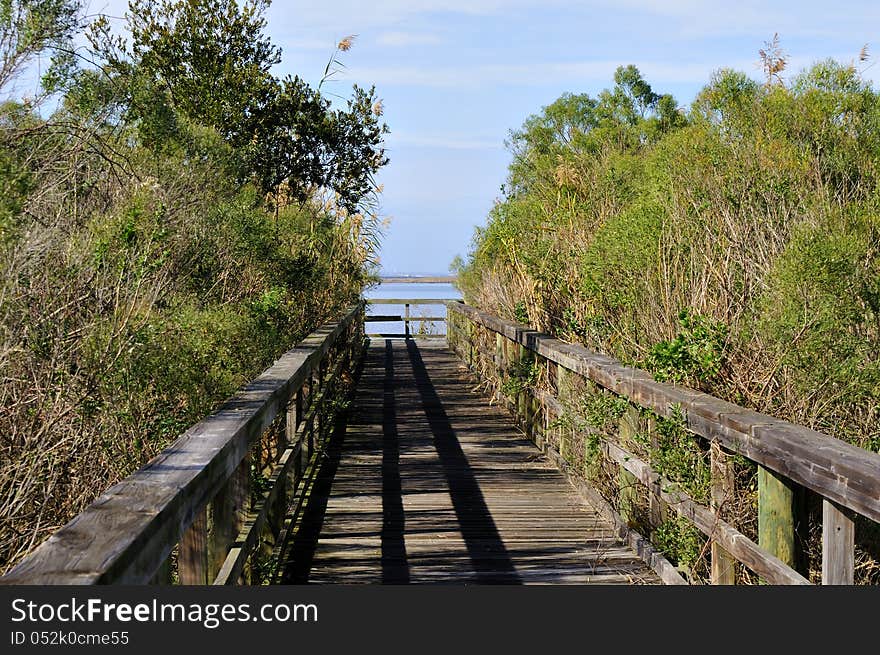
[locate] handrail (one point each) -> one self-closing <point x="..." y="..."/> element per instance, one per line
<point x="847" y="477"/>
<point x="425" y="279"/>
<point x="406" y="318"/>
<point x="127" y="534"/>
<point x="410" y="301"/>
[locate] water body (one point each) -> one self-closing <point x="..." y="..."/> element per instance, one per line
<point x="411" y="290"/>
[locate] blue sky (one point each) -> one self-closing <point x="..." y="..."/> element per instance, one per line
<point x="456" y="75"/>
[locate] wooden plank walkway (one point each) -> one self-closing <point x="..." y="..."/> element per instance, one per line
<point x="432" y="484"/>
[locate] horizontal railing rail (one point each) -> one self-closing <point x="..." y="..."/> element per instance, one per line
<point x="218" y="498"/>
<point x="846" y="477"/>
<point x="420" y="279"/>
<point x="407" y="318"/>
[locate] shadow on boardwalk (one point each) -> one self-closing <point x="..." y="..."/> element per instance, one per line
<point x="427" y="483"/>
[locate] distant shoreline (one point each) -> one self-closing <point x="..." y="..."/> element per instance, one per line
<point x="418" y="279"/>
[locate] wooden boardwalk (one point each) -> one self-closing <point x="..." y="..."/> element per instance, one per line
<point x="431" y="484"/>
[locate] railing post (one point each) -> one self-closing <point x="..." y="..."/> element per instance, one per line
<point x="838" y="545"/>
<point x="657" y="507"/>
<point x="723" y="570"/>
<point x="192" y="562"/>
<point x="294" y="415"/>
<point x="450" y="328"/>
<point x="521" y="409"/>
<point x="498" y="362"/>
<point x="563" y="394"/>
<point x="533" y="414"/>
<point x="228" y="511"/>
<point x="310" y="428"/>
<point x="471" y="346"/>
<point x="406" y="320"/>
<point x="778" y="516"/>
<point x="509" y="362"/>
<point x="627" y="482"/>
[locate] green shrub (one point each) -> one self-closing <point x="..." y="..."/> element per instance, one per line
<point x="696" y="353"/>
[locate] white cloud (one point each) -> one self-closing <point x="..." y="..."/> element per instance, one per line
<point x="358" y="16"/>
<point x="571" y="73"/>
<point x="689" y="19"/>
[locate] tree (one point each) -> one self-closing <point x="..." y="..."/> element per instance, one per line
<point x="357" y="150"/>
<point x="32" y="27"/>
<point x="625" y="117"/>
<point x="210" y="61"/>
<point x="210" y="56"/>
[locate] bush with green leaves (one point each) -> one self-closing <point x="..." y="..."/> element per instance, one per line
<point x="731" y="245"/>
<point x="148" y="272"/>
<point x="695" y="355"/>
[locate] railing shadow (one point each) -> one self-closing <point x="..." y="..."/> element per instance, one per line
<point x="394" y="564"/>
<point x="301" y="552"/>
<point x="484" y="544"/>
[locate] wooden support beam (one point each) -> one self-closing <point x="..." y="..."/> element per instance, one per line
<point x="294" y="417"/>
<point x="658" y="510"/>
<point x="778" y="516"/>
<point x="499" y="366"/>
<point x="227" y="512"/>
<point x="627" y="482"/>
<point x="521" y="409"/>
<point x="723" y="565"/>
<point x="192" y="561"/>
<point x="563" y="393"/>
<point x="838" y="545"/>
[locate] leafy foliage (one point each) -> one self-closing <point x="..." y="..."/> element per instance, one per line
<point x="209" y="61"/>
<point x="696" y="353"/>
<point x="732" y="246"/>
<point x="153" y="259"/>
<point x="31" y="28"/>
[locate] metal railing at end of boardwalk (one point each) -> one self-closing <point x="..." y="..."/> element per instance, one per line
<point x="215" y="506"/>
<point x="789" y="457"/>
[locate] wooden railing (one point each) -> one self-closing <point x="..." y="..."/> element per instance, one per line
<point x="215" y="506"/>
<point x="407" y="317"/>
<point x="790" y="458"/>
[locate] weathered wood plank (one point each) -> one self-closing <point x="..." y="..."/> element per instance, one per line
<point x="832" y="468"/>
<point x="627" y="483"/>
<point x="770" y="568"/>
<point x="433" y="484"/>
<point x="228" y="511"/>
<point x="410" y="301"/>
<point x="723" y="566"/>
<point x="838" y="545"/>
<point x="192" y="561"/>
<point x="126" y="534"/>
